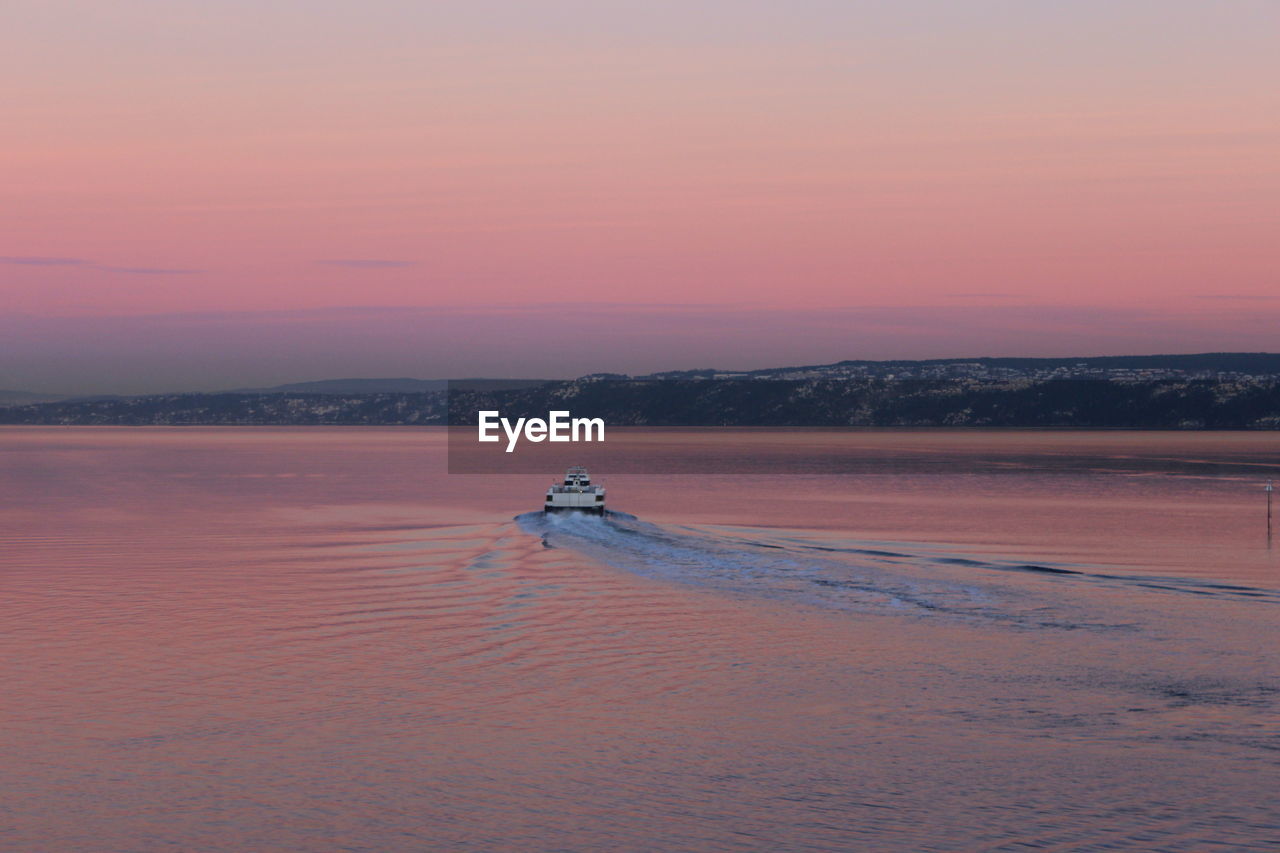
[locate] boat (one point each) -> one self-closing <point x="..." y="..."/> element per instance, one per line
<point x="575" y="494"/>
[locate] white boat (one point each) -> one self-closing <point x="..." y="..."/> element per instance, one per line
<point x="575" y="494"/>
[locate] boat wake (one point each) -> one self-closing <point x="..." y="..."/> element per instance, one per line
<point x="857" y="575"/>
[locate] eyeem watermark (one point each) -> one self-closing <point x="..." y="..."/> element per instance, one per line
<point x="558" y="426"/>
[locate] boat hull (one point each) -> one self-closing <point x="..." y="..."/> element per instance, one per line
<point x="587" y="510"/>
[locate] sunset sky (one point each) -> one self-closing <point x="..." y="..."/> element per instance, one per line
<point x="202" y="195"/>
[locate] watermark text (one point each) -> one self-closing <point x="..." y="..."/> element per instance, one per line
<point x="558" y="426"/>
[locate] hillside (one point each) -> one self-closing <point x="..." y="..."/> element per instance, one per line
<point x="1160" y="404"/>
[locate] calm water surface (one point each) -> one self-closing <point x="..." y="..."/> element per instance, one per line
<point x="314" y="639"/>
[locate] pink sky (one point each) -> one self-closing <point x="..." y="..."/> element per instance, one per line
<point x="343" y="188"/>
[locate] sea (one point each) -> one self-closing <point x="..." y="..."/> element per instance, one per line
<point x="315" y="639"/>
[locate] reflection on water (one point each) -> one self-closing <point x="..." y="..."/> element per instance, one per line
<point x="314" y="639"/>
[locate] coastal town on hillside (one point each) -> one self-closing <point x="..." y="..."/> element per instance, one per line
<point x="1209" y="366"/>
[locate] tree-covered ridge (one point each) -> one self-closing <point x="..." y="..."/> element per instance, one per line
<point x="1164" y="404"/>
<point x="1160" y="404"/>
<point x="238" y="409"/>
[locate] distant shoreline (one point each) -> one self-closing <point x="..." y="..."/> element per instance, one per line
<point x="1166" y="404"/>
